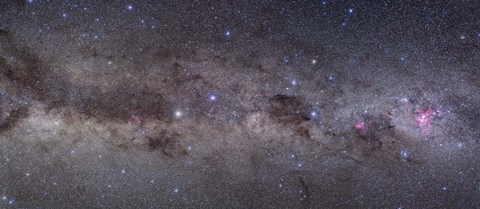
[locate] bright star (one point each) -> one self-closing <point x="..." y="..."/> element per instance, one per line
<point x="313" y="114"/>
<point x="178" y="113"/>
<point x="212" y="98"/>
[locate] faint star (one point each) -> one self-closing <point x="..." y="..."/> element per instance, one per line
<point x="330" y="78"/>
<point x="404" y="155"/>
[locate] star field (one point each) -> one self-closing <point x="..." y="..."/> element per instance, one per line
<point x="239" y="104"/>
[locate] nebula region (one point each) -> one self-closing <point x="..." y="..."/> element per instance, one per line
<point x="239" y="104"/>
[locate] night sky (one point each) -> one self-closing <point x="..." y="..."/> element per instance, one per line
<point x="239" y="104"/>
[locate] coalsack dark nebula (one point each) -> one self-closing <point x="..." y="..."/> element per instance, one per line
<point x="239" y="104"/>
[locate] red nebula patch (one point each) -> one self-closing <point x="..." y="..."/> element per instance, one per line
<point x="424" y="120"/>
<point x="360" y="126"/>
<point x="423" y="117"/>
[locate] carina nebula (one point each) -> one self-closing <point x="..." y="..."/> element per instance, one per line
<point x="239" y="104"/>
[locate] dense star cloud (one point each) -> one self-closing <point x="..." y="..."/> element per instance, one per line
<point x="239" y="104"/>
